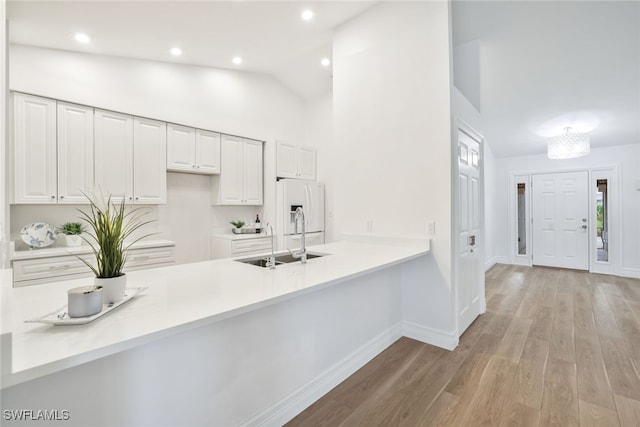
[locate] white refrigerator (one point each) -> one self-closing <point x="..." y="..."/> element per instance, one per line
<point x="294" y="193"/>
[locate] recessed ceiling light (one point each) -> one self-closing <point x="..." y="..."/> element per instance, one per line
<point x="176" y="51"/>
<point x="237" y="60"/>
<point x="307" y="15"/>
<point x="325" y="62"/>
<point x="81" y="38"/>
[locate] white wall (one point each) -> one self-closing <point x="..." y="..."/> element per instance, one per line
<point x="490" y="207"/>
<point x="626" y="157"/>
<point x="392" y="136"/>
<point x="239" y="103"/>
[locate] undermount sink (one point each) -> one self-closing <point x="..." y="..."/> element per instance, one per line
<point x="284" y="258"/>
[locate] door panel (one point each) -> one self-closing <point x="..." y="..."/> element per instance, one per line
<point x="469" y="258"/>
<point x="560" y="215"/>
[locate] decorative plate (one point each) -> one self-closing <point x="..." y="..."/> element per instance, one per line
<point x="38" y="234"/>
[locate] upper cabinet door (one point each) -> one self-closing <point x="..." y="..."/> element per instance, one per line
<point x="231" y="190"/>
<point x="306" y="163"/>
<point x="34" y="149"/>
<point x="113" y="139"/>
<point x="207" y="151"/>
<point x="150" y="159"/>
<point x="252" y="159"/>
<point x="181" y="152"/>
<point x="75" y="152"/>
<point x="286" y="162"/>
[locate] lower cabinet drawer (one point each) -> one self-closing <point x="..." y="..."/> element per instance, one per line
<point x="55" y="269"/>
<point x="58" y="268"/>
<point x="239" y="247"/>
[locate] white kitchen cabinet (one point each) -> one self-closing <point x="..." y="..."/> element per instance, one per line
<point x="130" y="157"/>
<point x="113" y="139"/>
<point x="34" y="150"/>
<point x="192" y="150"/>
<point x="53" y="150"/>
<point x="240" y="180"/>
<point x="225" y="246"/>
<point x="66" y="267"/>
<point x="149" y="161"/>
<point x="75" y="152"/>
<point x="295" y="161"/>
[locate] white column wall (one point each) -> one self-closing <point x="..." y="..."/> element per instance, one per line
<point x="391" y="157"/>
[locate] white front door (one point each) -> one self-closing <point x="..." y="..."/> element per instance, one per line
<point x="560" y="220"/>
<point x="469" y="271"/>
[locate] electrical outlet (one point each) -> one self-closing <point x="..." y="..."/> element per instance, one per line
<point x="431" y="227"/>
<point x="369" y="225"/>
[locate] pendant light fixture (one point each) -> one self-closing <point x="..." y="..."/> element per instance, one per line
<point x="569" y="145"/>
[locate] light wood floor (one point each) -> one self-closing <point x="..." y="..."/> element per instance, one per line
<point x="555" y="348"/>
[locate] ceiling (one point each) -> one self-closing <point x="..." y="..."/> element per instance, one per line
<point x="270" y="36"/>
<point x="531" y="67"/>
<point x="543" y="65"/>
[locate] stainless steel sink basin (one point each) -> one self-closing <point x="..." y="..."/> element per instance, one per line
<point x="283" y="258"/>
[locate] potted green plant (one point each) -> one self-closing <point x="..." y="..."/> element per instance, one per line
<point x="237" y="226"/>
<point x="111" y="225"/>
<point x="72" y="232"/>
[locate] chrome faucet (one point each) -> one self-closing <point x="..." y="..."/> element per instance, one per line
<point x="271" y="262"/>
<point x="302" y="253"/>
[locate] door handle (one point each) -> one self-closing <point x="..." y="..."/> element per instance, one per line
<point x="472" y="240"/>
<point x="584" y="227"/>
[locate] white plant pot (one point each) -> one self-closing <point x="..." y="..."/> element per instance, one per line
<point x="73" y="240"/>
<point x="112" y="288"/>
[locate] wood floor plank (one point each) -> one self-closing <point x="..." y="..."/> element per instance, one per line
<point x="628" y="411"/>
<point x="514" y="339"/>
<point x="620" y="369"/>
<point x="560" y="397"/>
<point x="561" y="345"/>
<point x="596" y="416"/>
<point x="518" y="415"/>
<point x="593" y="384"/>
<point x="441" y="412"/>
<point x="529" y="380"/>
<point x="489" y="402"/>
<point x="542" y="324"/>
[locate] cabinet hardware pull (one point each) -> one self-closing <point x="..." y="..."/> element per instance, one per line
<point x="59" y="267"/>
<point x="141" y="258"/>
<point x="53" y="197"/>
<point x="61" y="197"/>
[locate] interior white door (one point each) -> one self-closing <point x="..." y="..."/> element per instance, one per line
<point x="469" y="272"/>
<point x="560" y="220"/>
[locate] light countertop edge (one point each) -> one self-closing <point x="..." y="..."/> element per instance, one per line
<point x="134" y="341"/>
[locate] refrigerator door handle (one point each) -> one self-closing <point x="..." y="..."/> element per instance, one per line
<point x="310" y="204"/>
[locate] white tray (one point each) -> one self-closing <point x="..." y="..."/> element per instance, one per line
<point x="61" y="317"/>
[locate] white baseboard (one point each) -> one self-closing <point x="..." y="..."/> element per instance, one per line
<point x="442" y="339"/>
<point x="631" y="272"/>
<point x="287" y="408"/>
<point x="496" y="260"/>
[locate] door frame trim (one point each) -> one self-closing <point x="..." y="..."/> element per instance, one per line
<point x="615" y="214"/>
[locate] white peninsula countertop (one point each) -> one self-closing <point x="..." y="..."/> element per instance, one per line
<point x="178" y="298"/>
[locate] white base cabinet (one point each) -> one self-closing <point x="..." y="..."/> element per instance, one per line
<point x="295" y="161"/>
<point x="223" y="246"/>
<point x="66" y="267"/>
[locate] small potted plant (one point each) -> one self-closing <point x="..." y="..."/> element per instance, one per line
<point x="237" y="226"/>
<point x="110" y="225"/>
<point x="72" y="232"/>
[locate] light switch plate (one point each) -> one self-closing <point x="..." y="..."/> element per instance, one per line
<point x="431" y="227"/>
